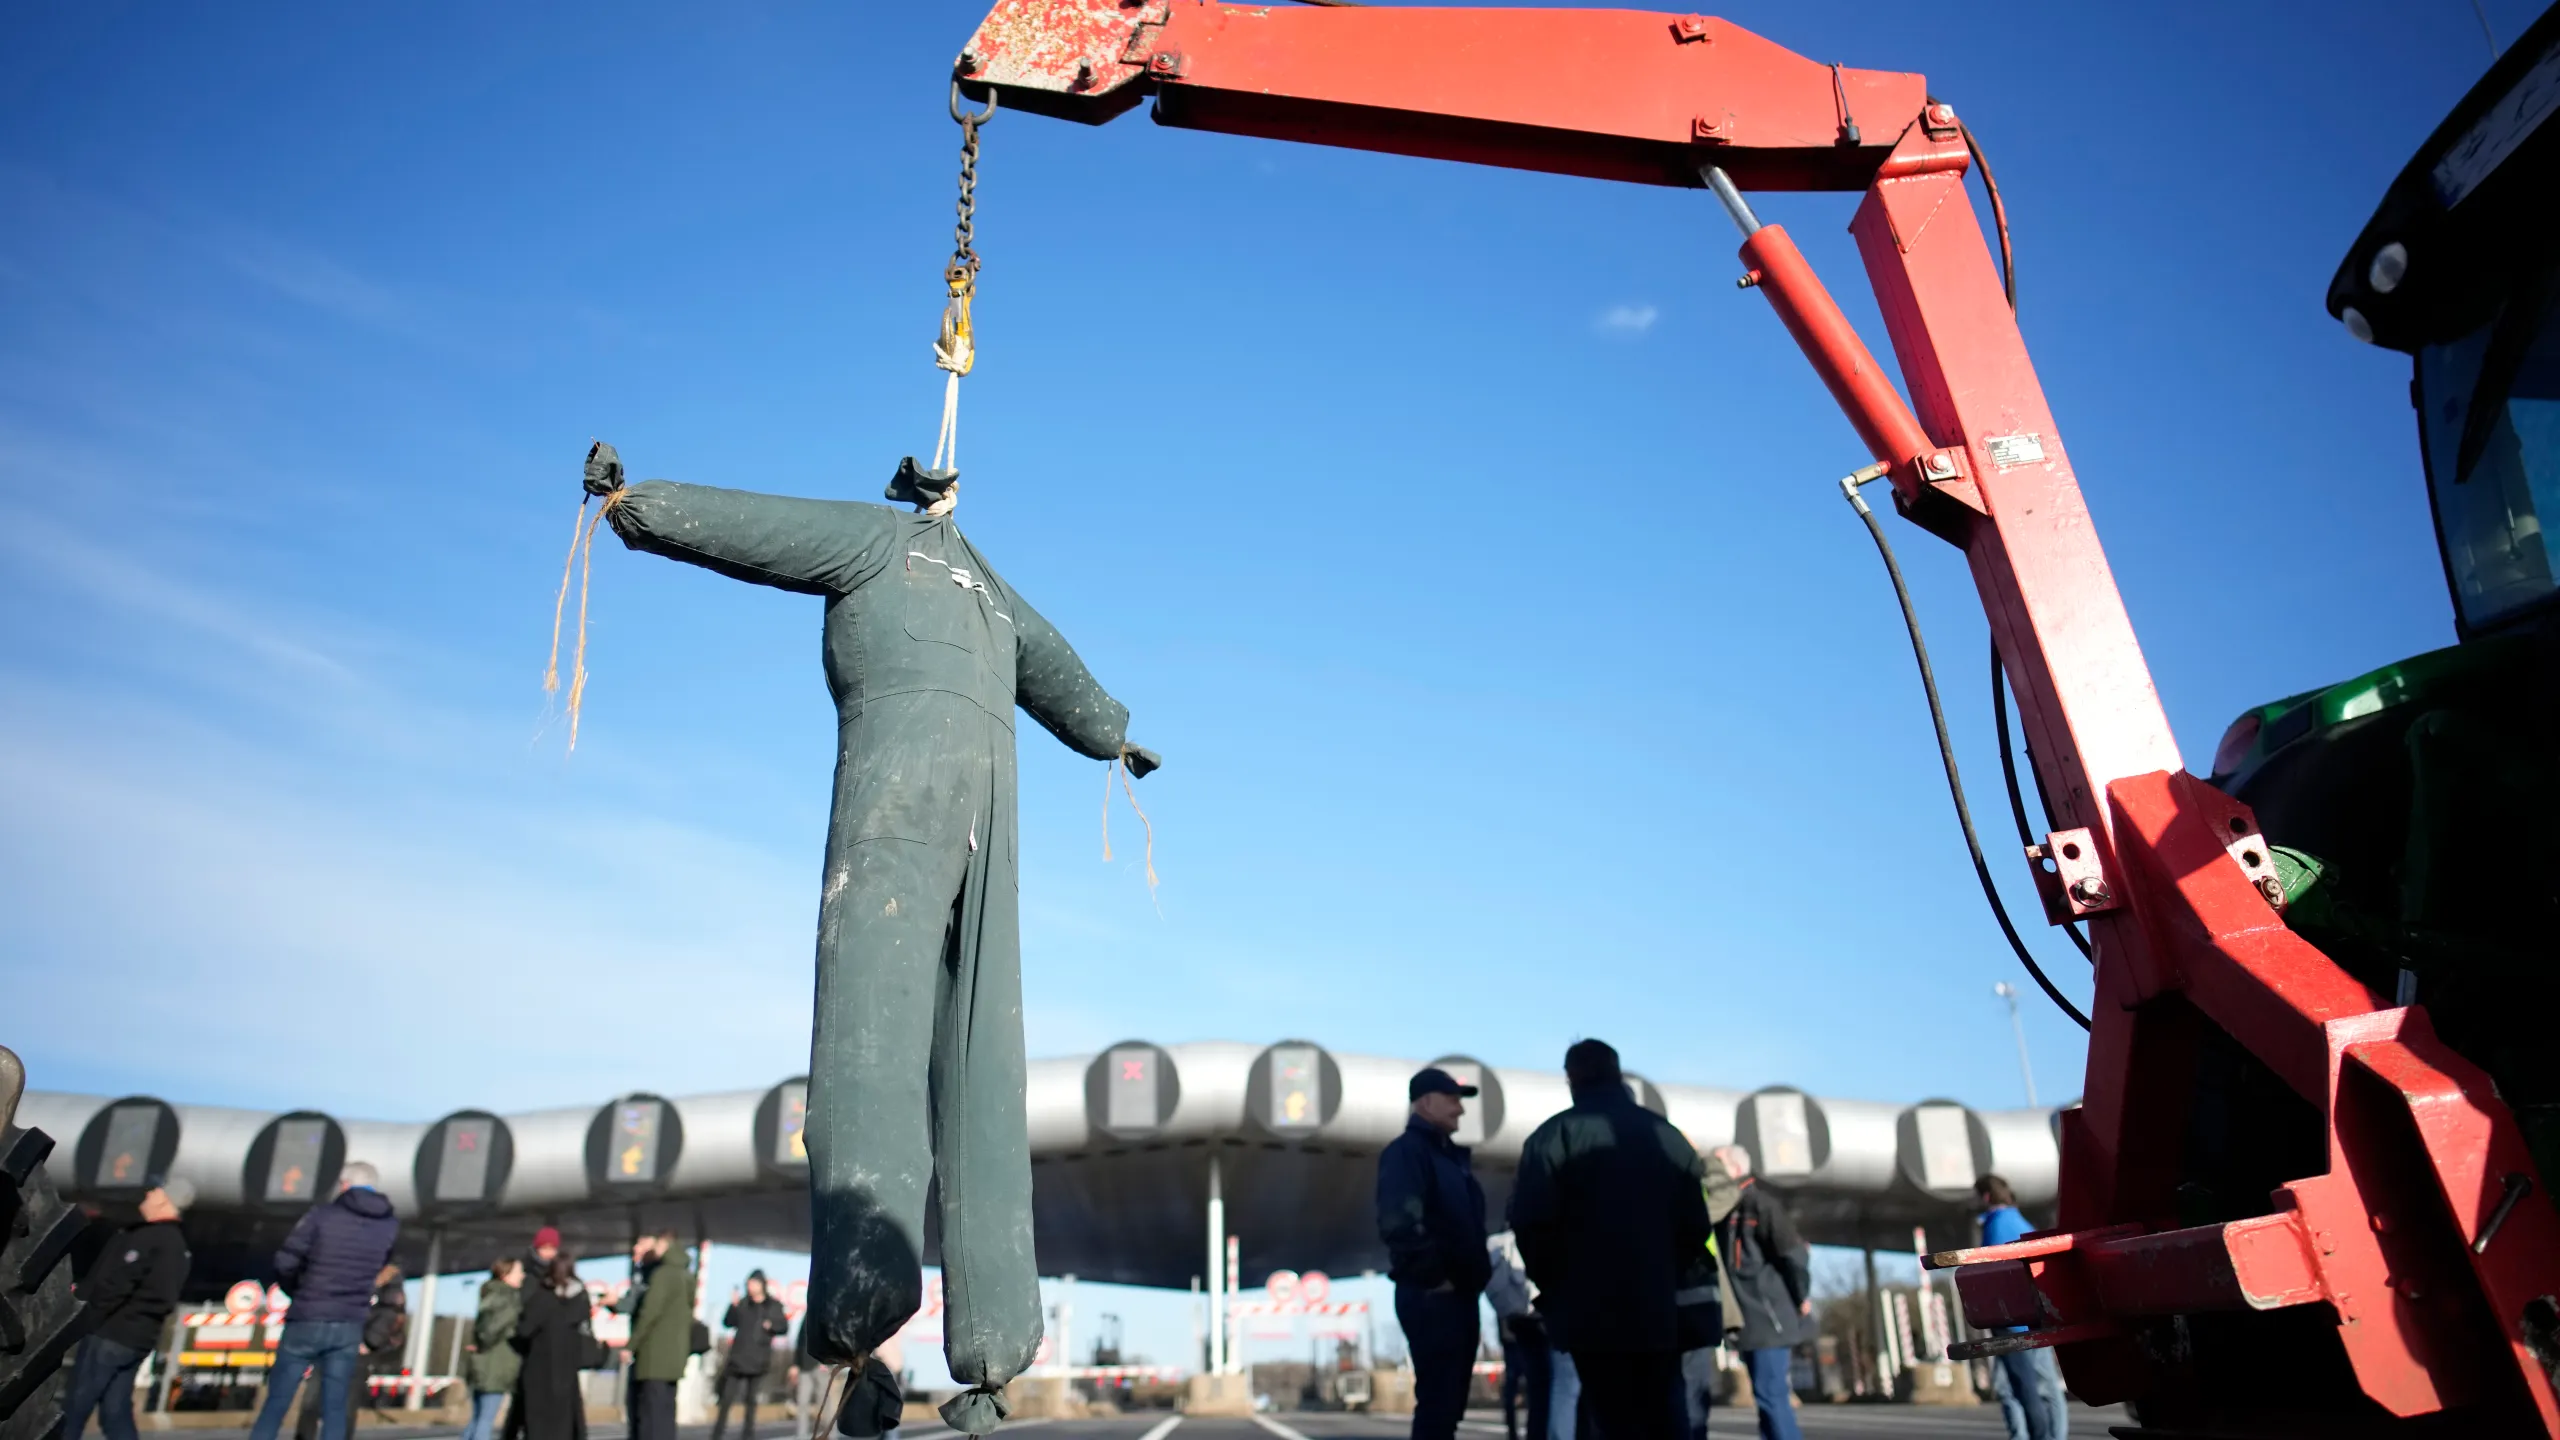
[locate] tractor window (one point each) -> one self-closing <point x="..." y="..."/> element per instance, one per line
<point x="2489" y="406"/>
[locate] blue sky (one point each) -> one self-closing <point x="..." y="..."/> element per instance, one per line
<point x="1463" y="539"/>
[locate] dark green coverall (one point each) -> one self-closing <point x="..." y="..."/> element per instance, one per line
<point x="916" y="1071"/>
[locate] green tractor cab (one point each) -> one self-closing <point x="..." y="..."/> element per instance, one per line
<point x="2416" y="808"/>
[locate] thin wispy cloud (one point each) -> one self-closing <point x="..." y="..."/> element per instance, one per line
<point x="1626" y="320"/>
<point x="263" y="796"/>
<point x="307" y="277"/>
<point x="317" y="281"/>
<point x="54" y="219"/>
<point x="110" y="578"/>
<point x="137" y="837"/>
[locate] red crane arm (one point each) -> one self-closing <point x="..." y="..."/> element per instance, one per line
<point x="1609" y="94"/>
<point x="2441" y="1295"/>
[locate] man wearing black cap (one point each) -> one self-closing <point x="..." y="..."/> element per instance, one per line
<point x="1431" y="1216"/>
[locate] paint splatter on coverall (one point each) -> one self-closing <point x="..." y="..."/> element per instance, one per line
<point x="917" y="1068"/>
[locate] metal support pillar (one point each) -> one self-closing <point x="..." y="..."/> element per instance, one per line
<point x="1235" y="1286"/>
<point x="1877" y="1327"/>
<point x="1217" y="1269"/>
<point x="422" y="1327"/>
<point x="1066" y="1321"/>
<point x="1369" y="1327"/>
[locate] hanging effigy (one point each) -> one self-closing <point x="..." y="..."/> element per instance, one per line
<point x="916" y="1069"/>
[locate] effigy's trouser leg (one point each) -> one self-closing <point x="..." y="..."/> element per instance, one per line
<point x="990" y="1278"/>
<point x="917" y="1070"/>
<point x="883" y="931"/>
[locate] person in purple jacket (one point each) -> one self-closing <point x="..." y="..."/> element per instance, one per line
<point x="328" y="1265"/>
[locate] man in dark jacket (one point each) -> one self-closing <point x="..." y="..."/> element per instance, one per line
<point x="328" y="1265"/>
<point x="132" y="1288"/>
<point x="386" y="1329"/>
<point x="755" y="1321"/>
<point x="1612" y="1223"/>
<point x="1431" y="1216"/>
<point x="1772" y="1292"/>
<point x="383" y="1348"/>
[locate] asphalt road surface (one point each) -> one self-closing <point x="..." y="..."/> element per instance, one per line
<point x="1820" y="1422"/>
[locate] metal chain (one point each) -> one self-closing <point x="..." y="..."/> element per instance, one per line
<point x="962" y="272"/>
<point x="964" y="258"/>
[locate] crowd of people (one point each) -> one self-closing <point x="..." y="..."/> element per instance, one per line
<point x="1630" y="1260"/>
<point x="530" y="1340"/>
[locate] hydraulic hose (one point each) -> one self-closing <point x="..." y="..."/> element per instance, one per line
<point x="2009" y="774"/>
<point x="1999" y="686"/>
<point x="1946" y="746"/>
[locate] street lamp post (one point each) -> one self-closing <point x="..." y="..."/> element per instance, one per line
<point x="2018" y="1028"/>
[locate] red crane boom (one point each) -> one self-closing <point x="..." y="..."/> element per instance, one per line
<point x="2440" y="1283"/>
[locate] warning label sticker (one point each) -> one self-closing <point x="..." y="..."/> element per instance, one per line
<point x="2008" y="450"/>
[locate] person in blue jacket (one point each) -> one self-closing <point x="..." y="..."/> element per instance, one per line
<point x="329" y="1265"/>
<point x="2028" y="1383"/>
<point x="1431" y="1218"/>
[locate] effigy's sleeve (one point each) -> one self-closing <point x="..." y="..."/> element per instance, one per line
<point x="1052" y="683"/>
<point x="816" y="547"/>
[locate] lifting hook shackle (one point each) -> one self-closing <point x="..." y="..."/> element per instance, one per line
<point x="964" y="117"/>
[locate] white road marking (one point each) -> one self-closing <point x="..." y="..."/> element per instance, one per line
<point x="1276" y="1428"/>
<point x="936" y="1430"/>
<point x="1162" y="1428"/>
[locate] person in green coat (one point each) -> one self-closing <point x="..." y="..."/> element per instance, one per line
<point x="661" y="1333"/>
<point x="916" y="1071"/>
<point x="494" y="1361"/>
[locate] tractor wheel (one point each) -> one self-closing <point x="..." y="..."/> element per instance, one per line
<point x="40" y="1322"/>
